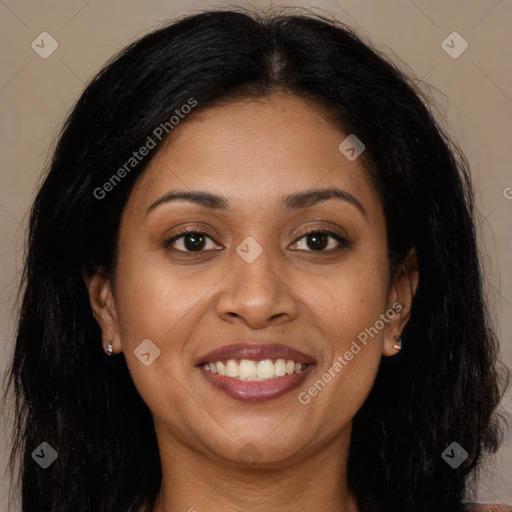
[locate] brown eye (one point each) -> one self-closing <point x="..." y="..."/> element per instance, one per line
<point x="318" y="241"/>
<point x="189" y="241"/>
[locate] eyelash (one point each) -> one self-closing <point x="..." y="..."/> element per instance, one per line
<point x="343" y="243"/>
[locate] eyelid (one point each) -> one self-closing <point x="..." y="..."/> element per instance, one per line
<point x="340" y="239"/>
<point x="183" y="233"/>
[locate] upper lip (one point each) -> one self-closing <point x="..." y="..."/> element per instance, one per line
<point x="255" y="352"/>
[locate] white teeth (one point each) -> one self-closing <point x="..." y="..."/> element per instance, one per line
<point x="280" y="368"/>
<point x="221" y="368"/>
<point x="231" y="368"/>
<point x="247" y="369"/>
<point x="265" y="369"/>
<point x="250" y="370"/>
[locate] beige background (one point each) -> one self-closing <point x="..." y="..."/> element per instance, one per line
<point x="474" y="93"/>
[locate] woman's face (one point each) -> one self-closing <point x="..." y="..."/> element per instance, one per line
<point x="251" y="278"/>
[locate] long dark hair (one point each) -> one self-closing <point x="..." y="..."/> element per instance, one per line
<point x="444" y="386"/>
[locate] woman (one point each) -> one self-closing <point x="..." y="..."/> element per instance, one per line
<point x="261" y="225"/>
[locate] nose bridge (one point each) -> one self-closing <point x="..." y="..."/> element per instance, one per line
<point x="255" y="290"/>
<point x="253" y="267"/>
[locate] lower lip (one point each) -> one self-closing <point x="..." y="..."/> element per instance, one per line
<point x="257" y="391"/>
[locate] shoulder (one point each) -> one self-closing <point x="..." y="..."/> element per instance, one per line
<point x="483" y="507"/>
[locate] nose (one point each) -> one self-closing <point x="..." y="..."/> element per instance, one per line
<point x="256" y="293"/>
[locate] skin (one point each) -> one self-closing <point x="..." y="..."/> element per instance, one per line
<point x="253" y="152"/>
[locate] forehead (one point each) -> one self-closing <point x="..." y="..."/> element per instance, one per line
<point x="254" y="152"/>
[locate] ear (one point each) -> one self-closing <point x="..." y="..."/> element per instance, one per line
<point x="400" y="296"/>
<point x="102" y="302"/>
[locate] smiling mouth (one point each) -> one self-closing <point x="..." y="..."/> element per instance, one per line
<point x="248" y="370"/>
<point x="249" y="385"/>
<point x="252" y="372"/>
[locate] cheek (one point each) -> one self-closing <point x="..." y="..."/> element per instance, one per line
<point x="350" y="297"/>
<point x="348" y="303"/>
<point x="155" y="300"/>
<point x="156" y="303"/>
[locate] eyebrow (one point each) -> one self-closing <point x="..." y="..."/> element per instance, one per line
<point x="294" y="201"/>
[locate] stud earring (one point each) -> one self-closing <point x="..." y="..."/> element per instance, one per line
<point x="398" y="344"/>
<point x="110" y="348"/>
